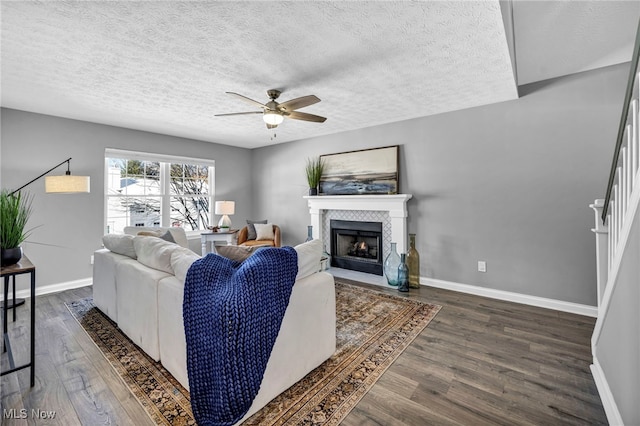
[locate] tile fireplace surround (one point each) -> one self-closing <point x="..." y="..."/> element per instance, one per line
<point x="392" y="210"/>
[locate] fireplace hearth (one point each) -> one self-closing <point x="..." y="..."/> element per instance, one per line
<point x="356" y="245"/>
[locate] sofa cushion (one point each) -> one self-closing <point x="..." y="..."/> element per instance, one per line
<point x="178" y="234"/>
<point x="309" y="254"/>
<point x="264" y="231"/>
<point x="165" y="235"/>
<point x="238" y="253"/>
<point x="120" y="244"/>
<point x="154" y="252"/>
<point x="181" y="260"/>
<point x="251" y="229"/>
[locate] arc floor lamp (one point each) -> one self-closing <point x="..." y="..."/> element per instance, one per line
<point x="64" y="184"/>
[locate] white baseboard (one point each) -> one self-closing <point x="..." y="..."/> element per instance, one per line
<point x="542" y="302"/>
<point x="51" y="288"/>
<point x="558" y="305"/>
<point x="608" y="402"/>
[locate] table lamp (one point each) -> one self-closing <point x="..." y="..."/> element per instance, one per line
<point x="225" y="208"/>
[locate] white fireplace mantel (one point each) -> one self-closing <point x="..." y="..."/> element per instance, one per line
<point x="394" y="205"/>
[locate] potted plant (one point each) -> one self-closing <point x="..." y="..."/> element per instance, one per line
<point x="15" y="209"/>
<point x="314" y="169"/>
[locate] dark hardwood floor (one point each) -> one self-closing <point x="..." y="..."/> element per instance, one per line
<point x="480" y="361"/>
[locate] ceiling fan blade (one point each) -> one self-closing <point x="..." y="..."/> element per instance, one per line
<point x="244" y="98"/>
<point x="239" y="113"/>
<point x="296" y="115"/>
<point x="297" y="103"/>
<point x="271" y="126"/>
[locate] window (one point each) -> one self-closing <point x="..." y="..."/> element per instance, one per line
<point x="156" y="190"/>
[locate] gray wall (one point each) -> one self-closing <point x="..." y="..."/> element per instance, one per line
<point x="70" y="227"/>
<point x="618" y="348"/>
<point x="508" y="183"/>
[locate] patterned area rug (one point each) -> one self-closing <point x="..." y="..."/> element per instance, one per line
<point x="373" y="328"/>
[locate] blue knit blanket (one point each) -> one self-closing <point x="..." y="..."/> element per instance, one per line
<point x="232" y="315"/>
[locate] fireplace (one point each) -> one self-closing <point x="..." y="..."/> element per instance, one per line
<point x="356" y="245"/>
<point x="362" y="207"/>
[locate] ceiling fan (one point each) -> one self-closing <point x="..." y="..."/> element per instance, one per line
<point x="273" y="113"/>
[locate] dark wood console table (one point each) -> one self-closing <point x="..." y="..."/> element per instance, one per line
<point x="23" y="267"/>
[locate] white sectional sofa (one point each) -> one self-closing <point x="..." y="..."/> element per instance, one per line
<point x="139" y="285"/>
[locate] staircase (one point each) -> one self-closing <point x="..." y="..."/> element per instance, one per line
<point x="616" y="337"/>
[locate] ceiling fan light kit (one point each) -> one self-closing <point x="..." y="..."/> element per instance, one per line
<point x="273" y="118"/>
<point x="274" y="113"/>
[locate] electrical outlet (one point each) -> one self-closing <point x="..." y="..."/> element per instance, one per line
<point x="482" y="266"/>
<point x="92" y="259"/>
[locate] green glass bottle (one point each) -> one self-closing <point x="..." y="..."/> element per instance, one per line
<point x="403" y="272"/>
<point x="413" y="263"/>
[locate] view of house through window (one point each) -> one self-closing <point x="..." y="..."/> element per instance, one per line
<point x="148" y="192"/>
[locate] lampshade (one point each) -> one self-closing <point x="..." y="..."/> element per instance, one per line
<point x="225" y="207"/>
<point x="66" y="184"/>
<point x="272" y="117"/>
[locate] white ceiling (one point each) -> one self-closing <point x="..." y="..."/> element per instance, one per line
<point x="164" y="66"/>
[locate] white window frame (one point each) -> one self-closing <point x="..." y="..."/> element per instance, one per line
<point x="165" y="172"/>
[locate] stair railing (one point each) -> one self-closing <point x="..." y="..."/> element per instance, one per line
<point x="615" y="217"/>
<point x="623" y="177"/>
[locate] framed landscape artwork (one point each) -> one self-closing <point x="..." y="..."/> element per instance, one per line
<point x="369" y="171"/>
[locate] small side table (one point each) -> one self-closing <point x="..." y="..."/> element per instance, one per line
<point x="23" y="267"/>
<point x="211" y="237"/>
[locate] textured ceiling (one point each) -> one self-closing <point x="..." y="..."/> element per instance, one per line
<point x="164" y="66"/>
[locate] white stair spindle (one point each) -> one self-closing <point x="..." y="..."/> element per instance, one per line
<point x="627" y="165"/>
<point x="634" y="142"/>
<point x="625" y="177"/>
<point x="618" y="204"/>
<point x="637" y="140"/>
<point x="610" y="238"/>
<point x="614" y="219"/>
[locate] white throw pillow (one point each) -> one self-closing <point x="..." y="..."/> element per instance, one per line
<point x="264" y="231"/>
<point x="181" y="260"/>
<point x="155" y="252"/>
<point x="309" y="255"/>
<point x="121" y="244"/>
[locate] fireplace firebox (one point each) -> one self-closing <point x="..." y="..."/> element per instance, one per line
<point x="356" y="245"/>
